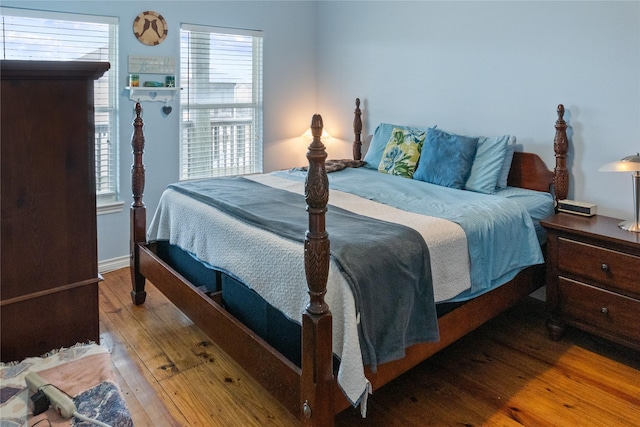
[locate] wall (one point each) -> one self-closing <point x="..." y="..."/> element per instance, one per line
<point x="473" y="67"/>
<point x="490" y="68"/>
<point x="289" y="90"/>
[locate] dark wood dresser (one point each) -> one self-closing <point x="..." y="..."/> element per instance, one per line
<point x="593" y="277"/>
<point x="48" y="250"/>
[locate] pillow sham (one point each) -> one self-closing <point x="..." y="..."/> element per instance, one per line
<point x="379" y="142"/>
<point x="506" y="165"/>
<point x="487" y="165"/>
<point x="446" y="158"/>
<point x="402" y="152"/>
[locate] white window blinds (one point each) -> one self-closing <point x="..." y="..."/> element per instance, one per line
<point x="50" y="36"/>
<point x="221" y="102"/>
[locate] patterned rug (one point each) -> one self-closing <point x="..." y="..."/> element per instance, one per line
<point x="83" y="372"/>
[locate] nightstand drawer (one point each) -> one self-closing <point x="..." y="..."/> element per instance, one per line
<point x="611" y="268"/>
<point x="604" y="310"/>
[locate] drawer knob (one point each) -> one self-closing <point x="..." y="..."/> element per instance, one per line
<point x="604" y="267"/>
<point x="604" y="310"/>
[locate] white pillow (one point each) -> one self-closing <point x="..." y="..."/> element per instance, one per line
<point x="506" y="165"/>
<point x="487" y="164"/>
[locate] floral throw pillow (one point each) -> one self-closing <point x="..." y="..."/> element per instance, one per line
<point x="402" y="152"/>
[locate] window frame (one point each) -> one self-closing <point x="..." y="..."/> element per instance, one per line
<point x="246" y="154"/>
<point x="106" y="200"/>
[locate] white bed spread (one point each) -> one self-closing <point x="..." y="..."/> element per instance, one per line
<point x="274" y="266"/>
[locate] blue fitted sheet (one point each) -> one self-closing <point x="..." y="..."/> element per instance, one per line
<point x="539" y="206"/>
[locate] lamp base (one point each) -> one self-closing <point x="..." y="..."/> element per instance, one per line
<point x="630" y="226"/>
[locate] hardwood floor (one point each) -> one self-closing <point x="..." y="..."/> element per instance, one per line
<point x="507" y="373"/>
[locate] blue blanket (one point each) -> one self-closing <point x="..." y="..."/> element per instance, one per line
<point x="389" y="272"/>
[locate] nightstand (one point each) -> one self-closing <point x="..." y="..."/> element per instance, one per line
<point x="593" y="277"/>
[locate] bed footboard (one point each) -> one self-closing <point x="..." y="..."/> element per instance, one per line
<point x="317" y="357"/>
<point x="308" y="392"/>
<point x="138" y="212"/>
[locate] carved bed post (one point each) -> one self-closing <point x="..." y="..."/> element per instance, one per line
<point x="561" y="146"/>
<point x="316" y="397"/>
<point x="138" y="211"/>
<point x="357" y="130"/>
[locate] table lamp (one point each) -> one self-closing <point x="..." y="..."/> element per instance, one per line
<point x="629" y="164"/>
<point x="325" y="135"/>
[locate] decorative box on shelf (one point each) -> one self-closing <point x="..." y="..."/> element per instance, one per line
<point x="152" y="78"/>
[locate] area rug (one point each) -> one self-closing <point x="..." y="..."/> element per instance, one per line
<point x="83" y="372"/>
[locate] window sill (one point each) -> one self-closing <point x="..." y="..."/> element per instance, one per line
<point x="109" y="207"/>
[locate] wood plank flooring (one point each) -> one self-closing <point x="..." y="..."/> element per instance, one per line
<point x="507" y="373"/>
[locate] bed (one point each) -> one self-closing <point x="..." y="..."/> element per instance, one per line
<point x="324" y="346"/>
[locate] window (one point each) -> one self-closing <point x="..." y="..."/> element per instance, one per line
<point x="50" y="36"/>
<point x="221" y="102"/>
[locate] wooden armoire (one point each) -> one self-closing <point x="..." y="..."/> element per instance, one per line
<point x="48" y="251"/>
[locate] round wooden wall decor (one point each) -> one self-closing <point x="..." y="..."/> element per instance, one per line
<point x="150" y="28"/>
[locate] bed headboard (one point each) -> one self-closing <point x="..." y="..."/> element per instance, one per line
<point x="528" y="170"/>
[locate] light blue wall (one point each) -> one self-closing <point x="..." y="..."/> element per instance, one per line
<point x="490" y="68"/>
<point x="289" y="89"/>
<point x="473" y="67"/>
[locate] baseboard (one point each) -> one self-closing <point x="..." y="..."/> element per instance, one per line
<point x="113" y="264"/>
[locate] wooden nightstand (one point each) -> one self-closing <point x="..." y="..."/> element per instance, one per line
<point x="593" y="277"/>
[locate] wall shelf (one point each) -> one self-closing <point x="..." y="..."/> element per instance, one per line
<point x="161" y="94"/>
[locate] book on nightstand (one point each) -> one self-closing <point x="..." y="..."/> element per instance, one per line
<point x="576" y="207"/>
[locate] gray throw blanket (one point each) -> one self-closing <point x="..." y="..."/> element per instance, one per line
<point x="386" y="265"/>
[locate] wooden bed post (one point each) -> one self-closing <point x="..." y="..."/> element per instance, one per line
<point x="316" y="382"/>
<point x="357" y="130"/>
<point x="138" y="211"/>
<point x="561" y="146"/>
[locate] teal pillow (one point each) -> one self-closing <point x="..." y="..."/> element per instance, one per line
<point x="446" y="159"/>
<point x="506" y="165"/>
<point x="402" y="152"/>
<point x="381" y="136"/>
<point x="487" y="164"/>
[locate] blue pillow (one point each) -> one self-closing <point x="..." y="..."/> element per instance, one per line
<point x="506" y="165"/>
<point x="379" y="142"/>
<point x="487" y="164"/>
<point x="446" y="159"/>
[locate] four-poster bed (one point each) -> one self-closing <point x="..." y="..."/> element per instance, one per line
<point x="308" y="387"/>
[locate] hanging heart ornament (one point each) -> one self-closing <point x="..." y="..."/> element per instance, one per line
<point x="167" y="109"/>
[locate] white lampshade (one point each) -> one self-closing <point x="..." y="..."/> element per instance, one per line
<point x="325" y="135"/>
<point x="629" y="164"/>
